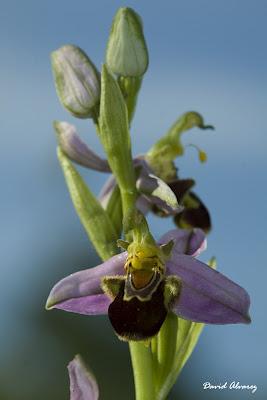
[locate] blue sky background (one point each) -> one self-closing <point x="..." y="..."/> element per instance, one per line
<point x="208" y="56"/>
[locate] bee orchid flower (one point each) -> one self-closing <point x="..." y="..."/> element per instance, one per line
<point x="147" y="289"/>
<point x="165" y="199"/>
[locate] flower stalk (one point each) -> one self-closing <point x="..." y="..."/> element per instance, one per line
<point x="143" y="369"/>
<point x="130" y="87"/>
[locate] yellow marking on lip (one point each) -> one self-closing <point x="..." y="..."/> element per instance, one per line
<point x="141" y="278"/>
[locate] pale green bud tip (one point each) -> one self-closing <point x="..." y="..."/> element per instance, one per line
<point x="127" y="53"/>
<point x="77" y="81"/>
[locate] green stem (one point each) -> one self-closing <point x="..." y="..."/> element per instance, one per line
<point x="128" y="198"/>
<point x="154" y="353"/>
<point x="130" y="87"/>
<point x="143" y="371"/>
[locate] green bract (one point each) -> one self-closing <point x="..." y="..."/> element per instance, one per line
<point x="113" y="208"/>
<point x="77" y="81"/>
<point x="127" y="53"/>
<point x="94" y="218"/>
<point x="114" y="132"/>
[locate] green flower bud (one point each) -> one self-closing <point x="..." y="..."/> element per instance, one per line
<point x="77" y="81"/>
<point x="127" y="53"/>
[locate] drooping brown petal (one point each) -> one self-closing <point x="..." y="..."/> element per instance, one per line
<point x="194" y="217"/>
<point x="180" y="187"/>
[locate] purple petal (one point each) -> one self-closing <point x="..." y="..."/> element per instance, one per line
<point x="111" y="181"/>
<point x="206" y="295"/>
<point x="83" y="385"/>
<point x="191" y="242"/>
<point x="76" y="149"/>
<point x="96" y="304"/>
<point x="107" y="190"/>
<point x="143" y="204"/>
<point x="85" y="282"/>
<point x="139" y="161"/>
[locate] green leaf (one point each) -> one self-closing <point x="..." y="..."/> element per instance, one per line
<point x="114" y="132"/>
<point x="93" y="217"/>
<point x="187" y="336"/>
<point x="166" y="340"/>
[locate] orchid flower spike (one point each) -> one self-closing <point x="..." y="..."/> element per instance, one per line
<point x="140" y="286"/>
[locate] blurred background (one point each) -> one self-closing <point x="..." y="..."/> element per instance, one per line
<point x="208" y="56"/>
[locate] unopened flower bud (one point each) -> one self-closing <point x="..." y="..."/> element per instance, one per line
<point x="127" y="53"/>
<point x="77" y="81"/>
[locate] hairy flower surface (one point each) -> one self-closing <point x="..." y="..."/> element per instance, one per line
<point x="183" y="285"/>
